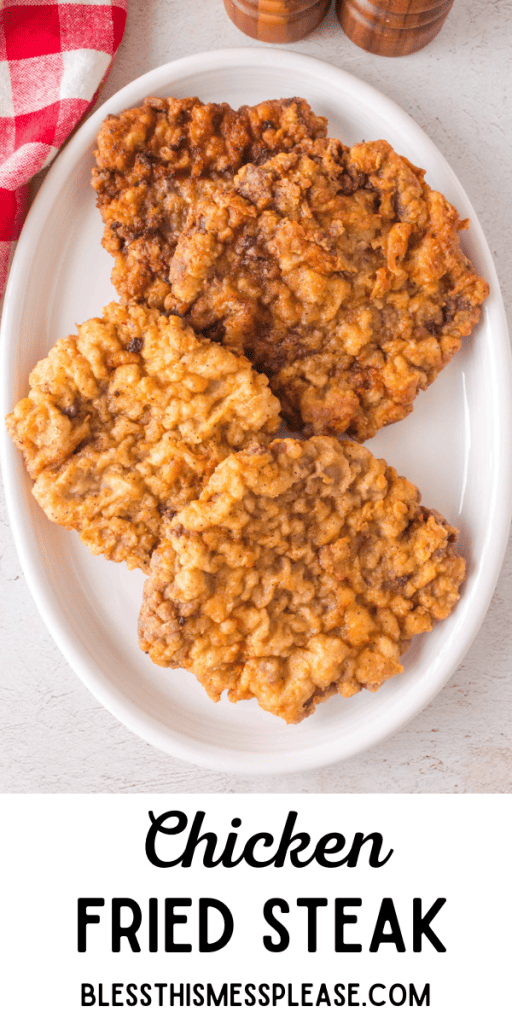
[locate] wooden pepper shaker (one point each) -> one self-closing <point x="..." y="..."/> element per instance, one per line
<point x="392" y="28"/>
<point x="277" y="21"/>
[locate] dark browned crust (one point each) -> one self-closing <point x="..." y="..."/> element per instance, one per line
<point x="339" y="272"/>
<point x="153" y="161"/>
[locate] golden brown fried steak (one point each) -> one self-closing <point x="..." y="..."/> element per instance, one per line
<point x="303" y="570"/>
<point x="340" y="274"/>
<point x="155" y="160"/>
<point x="125" y="422"/>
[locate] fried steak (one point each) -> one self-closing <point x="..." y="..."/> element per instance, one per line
<point x="339" y="273"/>
<point x="302" y="570"/>
<point x="249" y="248"/>
<point x="155" y="160"/>
<point x="125" y="422"/>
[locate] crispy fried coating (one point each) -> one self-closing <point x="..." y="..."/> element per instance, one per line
<point x="340" y="274"/>
<point x="126" y="420"/>
<point x="303" y="570"/>
<point x="155" y="160"/>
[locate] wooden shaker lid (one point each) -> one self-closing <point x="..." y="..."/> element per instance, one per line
<point x="392" y="28"/>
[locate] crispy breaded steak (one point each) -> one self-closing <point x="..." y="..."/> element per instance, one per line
<point x="303" y="570"/>
<point x="125" y="422"/>
<point x="155" y="160"/>
<point x="340" y="274"/>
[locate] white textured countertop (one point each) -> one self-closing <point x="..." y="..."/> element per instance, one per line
<point x="54" y="737"/>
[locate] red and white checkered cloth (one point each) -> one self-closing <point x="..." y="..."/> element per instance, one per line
<point x="54" y="57"/>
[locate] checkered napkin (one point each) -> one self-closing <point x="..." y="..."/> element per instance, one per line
<point x="54" y="56"/>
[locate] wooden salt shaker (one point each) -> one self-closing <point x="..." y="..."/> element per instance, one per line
<point x="277" y="21"/>
<point x="392" y="28"/>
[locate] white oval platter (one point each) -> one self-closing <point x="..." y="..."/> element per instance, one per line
<point x="456" y="446"/>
